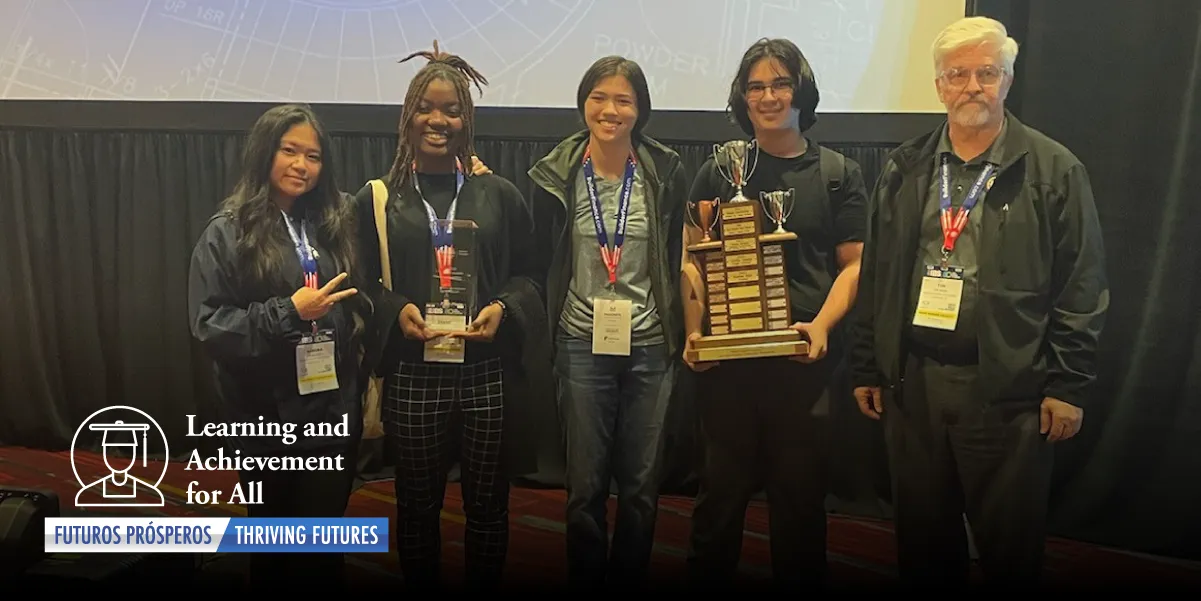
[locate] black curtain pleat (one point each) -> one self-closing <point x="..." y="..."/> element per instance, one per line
<point x="1131" y="111"/>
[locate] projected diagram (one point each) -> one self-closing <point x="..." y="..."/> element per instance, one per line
<point x="311" y="50"/>
<point x="532" y="51"/>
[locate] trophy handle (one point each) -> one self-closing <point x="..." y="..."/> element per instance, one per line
<point x="750" y="169"/>
<point x="722" y="170"/>
<point x="791" y="203"/>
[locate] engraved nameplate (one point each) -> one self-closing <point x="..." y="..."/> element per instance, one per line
<point x="742" y="276"/>
<point x="742" y="324"/>
<point x="741" y="244"/>
<point x="731" y="212"/>
<point x="738" y="228"/>
<point x="742" y="260"/>
<point x="746" y="308"/>
<point x="741" y="292"/>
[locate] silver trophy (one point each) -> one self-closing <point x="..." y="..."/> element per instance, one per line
<point x="735" y="164"/>
<point x="778" y="205"/>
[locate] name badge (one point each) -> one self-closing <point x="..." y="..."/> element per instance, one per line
<point x="446" y="317"/>
<point x="316" y="363"/>
<point x="611" y="323"/>
<point x="940" y="297"/>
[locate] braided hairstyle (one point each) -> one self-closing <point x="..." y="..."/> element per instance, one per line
<point x="456" y="71"/>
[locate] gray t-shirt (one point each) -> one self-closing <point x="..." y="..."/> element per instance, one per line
<point x="590" y="279"/>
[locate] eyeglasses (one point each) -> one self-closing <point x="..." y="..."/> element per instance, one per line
<point x="986" y="76"/>
<point x="779" y="87"/>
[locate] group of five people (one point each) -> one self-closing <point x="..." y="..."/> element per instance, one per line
<point x="288" y="279"/>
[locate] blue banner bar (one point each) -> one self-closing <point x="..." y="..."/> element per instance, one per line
<point x="305" y="535"/>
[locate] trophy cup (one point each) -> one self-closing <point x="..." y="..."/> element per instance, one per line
<point x="778" y="205"/>
<point x="702" y="214"/>
<point x="747" y="310"/>
<point x="731" y="160"/>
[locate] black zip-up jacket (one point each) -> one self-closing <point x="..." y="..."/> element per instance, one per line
<point x="1043" y="291"/>
<point x="251" y="335"/>
<point x="504" y="271"/>
<point x="666" y="193"/>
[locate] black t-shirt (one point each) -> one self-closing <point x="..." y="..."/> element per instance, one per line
<point x="438" y="189"/>
<point x="811" y="261"/>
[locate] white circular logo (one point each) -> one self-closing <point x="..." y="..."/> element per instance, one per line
<point x="125" y="438"/>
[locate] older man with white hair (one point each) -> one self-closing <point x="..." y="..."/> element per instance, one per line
<point x="981" y="300"/>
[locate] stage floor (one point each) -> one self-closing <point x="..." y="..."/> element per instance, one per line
<point x="861" y="550"/>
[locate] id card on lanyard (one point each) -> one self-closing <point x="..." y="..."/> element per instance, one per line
<point x="316" y="361"/>
<point x="444" y="316"/>
<point x="611" y="317"/>
<point x="942" y="285"/>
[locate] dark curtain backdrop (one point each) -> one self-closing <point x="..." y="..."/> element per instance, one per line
<point x="101" y="226"/>
<point x="1117" y="82"/>
<point x="96" y="228"/>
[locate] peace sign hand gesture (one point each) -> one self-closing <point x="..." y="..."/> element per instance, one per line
<point x="314" y="304"/>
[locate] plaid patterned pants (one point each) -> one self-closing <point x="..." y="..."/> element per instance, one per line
<point x="421" y="401"/>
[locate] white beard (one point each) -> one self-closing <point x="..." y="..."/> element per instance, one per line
<point x="972" y="115"/>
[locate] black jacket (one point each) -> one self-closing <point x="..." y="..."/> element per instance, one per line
<point x="251" y="336"/>
<point x="506" y="270"/>
<point x="1043" y="291"/>
<point x="666" y="194"/>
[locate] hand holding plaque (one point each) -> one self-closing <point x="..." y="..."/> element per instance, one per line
<point x="747" y="312"/>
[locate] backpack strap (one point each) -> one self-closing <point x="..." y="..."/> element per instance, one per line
<point x="379" y="195"/>
<point x="833" y="167"/>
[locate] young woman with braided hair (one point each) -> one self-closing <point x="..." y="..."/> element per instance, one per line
<point x="432" y="405"/>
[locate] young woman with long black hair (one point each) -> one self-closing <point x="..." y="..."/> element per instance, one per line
<point x="269" y="298"/>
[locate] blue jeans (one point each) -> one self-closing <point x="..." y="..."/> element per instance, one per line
<point x="613" y="411"/>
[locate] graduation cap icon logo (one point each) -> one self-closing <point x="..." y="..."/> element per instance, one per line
<point x="124" y="447"/>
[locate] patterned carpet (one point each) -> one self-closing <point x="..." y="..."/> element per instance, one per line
<point x="861" y="550"/>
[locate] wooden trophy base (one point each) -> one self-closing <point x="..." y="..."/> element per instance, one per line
<point x="747" y="345"/>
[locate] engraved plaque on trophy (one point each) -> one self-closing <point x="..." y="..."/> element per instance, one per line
<point x="747" y="309"/>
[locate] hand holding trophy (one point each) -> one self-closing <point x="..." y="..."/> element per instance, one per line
<point x="778" y="204"/>
<point x="747" y="313"/>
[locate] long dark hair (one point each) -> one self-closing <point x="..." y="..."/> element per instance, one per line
<point x="805" y="94"/>
<point x="446" y="67"/>
<point x="262" y="238"/>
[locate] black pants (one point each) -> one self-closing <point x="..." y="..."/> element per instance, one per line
<point x="953" y="453"/>
<point x="301" y="494"/>
<point x="763" y="424"/>
<point x="422" y="399"/>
